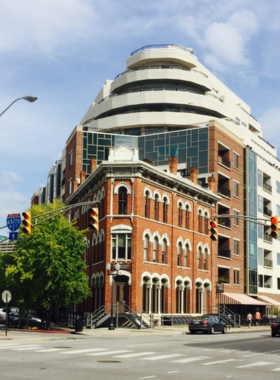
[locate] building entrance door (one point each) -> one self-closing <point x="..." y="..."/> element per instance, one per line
<point x="121" y="294"/>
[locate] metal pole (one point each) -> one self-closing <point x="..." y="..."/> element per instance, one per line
<point x="7" y="314"/>
<point x="112" y="327"/>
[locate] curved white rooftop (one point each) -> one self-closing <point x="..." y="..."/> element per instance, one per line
<point x="165" y="86"/>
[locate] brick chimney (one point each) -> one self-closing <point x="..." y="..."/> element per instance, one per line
<point x="82" y="176"/>
<point x="173" y="164"/>
<point x="211" y="183"/>
<point x="193" y="175"/>
<point x="93" y="164"/>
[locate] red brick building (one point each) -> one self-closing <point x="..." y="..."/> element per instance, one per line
<point x="155" y="224"/>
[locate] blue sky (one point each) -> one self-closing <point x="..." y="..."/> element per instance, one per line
<point x="62" y="51"/>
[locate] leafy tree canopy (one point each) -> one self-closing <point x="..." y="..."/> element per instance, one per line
<point x="47" y="268"/>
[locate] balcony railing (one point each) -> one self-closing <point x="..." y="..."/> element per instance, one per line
<point x="267" y="211"/>
<point x="267" y="237"/>
<point x="224" y="222"/>
<point x="223" y="161"/>
<point x="268" y="263"/>
<point x="224" y="191"/>
<point x="222" y="252"/>
<point x="267" y="187"/>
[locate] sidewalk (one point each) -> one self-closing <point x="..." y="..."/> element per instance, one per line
<point x="27" y="335"/>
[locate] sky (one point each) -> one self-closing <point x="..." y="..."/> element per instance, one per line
<point x="63" y="51"/>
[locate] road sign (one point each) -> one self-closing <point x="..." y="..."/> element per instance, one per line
<point x="13" y="235"/>
<point x="6" y="296"/>
<point x="13" y="221"/>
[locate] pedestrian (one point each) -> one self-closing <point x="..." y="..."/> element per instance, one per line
<point x="258" y="317"/>
<point x="249" y="319"/>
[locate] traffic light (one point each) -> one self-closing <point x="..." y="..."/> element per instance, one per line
<point x="274" y="227"/>
<point x="213" y="231"/>
<point x="93" y="218"/>
<point x="26" y="222"/>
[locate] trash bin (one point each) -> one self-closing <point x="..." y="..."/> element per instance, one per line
<point x="79" y="325"/>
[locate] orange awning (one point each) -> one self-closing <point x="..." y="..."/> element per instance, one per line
<point x="239" y="299"/>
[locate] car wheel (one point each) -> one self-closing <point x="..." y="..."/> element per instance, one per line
<point x="212" y="330"/>
<point x="273" y="334"/>
<point x="192" y="332"/>
<point x="224" y="330"/>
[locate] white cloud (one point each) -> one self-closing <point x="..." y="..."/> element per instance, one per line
<point x="43" y="27"/>
<point x="227" y="41"/>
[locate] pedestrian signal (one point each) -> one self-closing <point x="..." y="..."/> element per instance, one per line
<point x="93" y="218"/>
<point x="213" y="231"/>
<point x="26" y="229"/>
<point x="274" y="227"/>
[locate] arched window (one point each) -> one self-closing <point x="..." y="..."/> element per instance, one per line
<point x="187" y="217"/>
<point x="199" y="258"/>
<point x="186" y="256"/>
<point x="200" y="221"/>
<point x="179" y="254"/>
<point x="156" y="207"/>
<point x="205" y="257"/>
<point x="180" y="215"/>
<point x="147" y="204"/>
<point x="146" y="247"/>
<point x="163" y="252"/>
<point x="122" y="201"/>
<point x="165" y="210"/>
<point x="155" y="250"/>
<point x="206" y="223"/>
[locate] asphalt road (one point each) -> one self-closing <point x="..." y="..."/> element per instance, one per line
<point x="137" y="357"/>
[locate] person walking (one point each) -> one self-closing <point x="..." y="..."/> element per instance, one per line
<point x="249" y="319"/>
<point x="258" y="317"/>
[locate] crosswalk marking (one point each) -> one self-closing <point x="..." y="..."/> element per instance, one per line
<point x="190" y="360"/>
<point x="12" y="346"/>
<point x="256" y="364"/>
<point x="108" y="353"/>
<point x="136" y="354"/>
<point x="162" y="357"/>
<point x="220" y="362"/>
<point x="83" y="351"/>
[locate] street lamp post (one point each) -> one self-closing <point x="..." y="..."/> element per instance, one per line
<point x="29" y="98"/>
<point x="108" y="267"/>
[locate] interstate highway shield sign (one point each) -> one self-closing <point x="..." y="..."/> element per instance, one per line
<point x="13" y="221"/>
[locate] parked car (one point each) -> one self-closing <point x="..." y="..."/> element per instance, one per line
<point x="3" y="313"/>
<point x="30" y="320"/>
<point x="275" y="327"/>
<point x="207" y="324"/>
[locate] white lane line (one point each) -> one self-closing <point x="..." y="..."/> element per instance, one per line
<point x="108" y="353"/>
<point x="50" y="350"/>
<point x="12" y="347"/>
<point x="83" y="351"/>
<point x="189" y="360"/>
<point x="256" y="364"/>
<point x="173" y="371"/>
<point x="255" y="354"/>
<point x="219" y="362"/>
<point x="27" y="348"/>
<point x="162" y="357"/>
<point x="147" y="377"/>
<point x="136" y="354"/>
<point x="276" y="369"/>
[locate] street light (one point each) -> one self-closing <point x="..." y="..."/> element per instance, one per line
<point x="29" y="98"/>
<point x="108" y="267"/>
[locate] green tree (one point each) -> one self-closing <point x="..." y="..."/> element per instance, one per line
<point x="47" y="268"/>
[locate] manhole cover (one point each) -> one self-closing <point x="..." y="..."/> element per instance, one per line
<point x="109" y="361"/>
